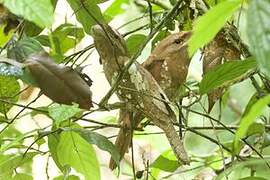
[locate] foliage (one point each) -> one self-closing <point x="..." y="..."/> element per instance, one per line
<point x="235" y="134"/>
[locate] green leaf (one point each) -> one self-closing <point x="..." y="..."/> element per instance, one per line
<point x="62" y="112"/>
<point x="254" y="163"/>
<point x="208" y="25"/>
<point x="114" y="9"/>
<point x="73" y="150"/>
<point x="87" y="12"/>
<point x="226" y="74"/>
<point x="253" y="99"/>
<point x="53" y="141"/>
<point x="166" y="162"/>
<point x="255" y="111"/>
<point x="10" y="132"/>
<point x="4" y="38"/>
<point x="258" y="24"/>
<point x="101" y="141"/>
<point x="38" y="11"/>
<point x="266" y="140"/>
<point x="9" y="162"/>
<point x="9" y="89"/>
<point x="18" y="139"/>
<point x="24" y="48"/>
<point x="65" y="37"/>
<point x="134" y="42"/>
<point x="71" y="177"/>
<point x="253" y="178"/>
<point x="30" y="29"/>
<point x="22" y="176"/>
<point x="256" y="128"/>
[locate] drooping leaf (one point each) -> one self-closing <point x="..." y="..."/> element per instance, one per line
<point x="39" y="11"/>
<point x="114" y="9"/>
<point x="9" y="89"/>
<point x="101" y="142"/>
<point x="134" y="42"/>
<point x="63" y="112"/>
<point x="226" y="74"/>
<point x="73" y="150"/>
<point x="60" y="83"/>
<point x="258" y="33"/>
<point x="210" y="23"/>
<point x="255" y="111"/>
<point x="87" y="13"/>
<point x="166" y="162"/>
<point x="24" y="48"/>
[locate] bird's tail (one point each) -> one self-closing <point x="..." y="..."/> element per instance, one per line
<point x="176" y="144"/>
<point x="124" y="136"/>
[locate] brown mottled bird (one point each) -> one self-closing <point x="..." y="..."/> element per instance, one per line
<point x="168" y="64"/>
<point x="218" y="51"/>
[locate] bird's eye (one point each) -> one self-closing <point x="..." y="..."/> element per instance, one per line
<point x="178" y="41"/>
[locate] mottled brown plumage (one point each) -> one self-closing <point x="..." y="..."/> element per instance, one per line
<point x="218" y="51"/>
<point x="138" y="87"/>
<point x="168" y="64"/>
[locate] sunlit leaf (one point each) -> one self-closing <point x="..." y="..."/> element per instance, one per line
<point x="252" y="178"/>
<point x="114" y="9"/>
<point x="73" y="150"/>
<point x="62" y="112"/>
<point x="3" y="37"/>
<point x="64" y="37"/>
<point x="255" y="111"/>
<point x="226" y="74"/>
<point x="134" y="42"/>
<point x="87" y="13"/>
<point x="71" y="177"/>
<point x="9" y="162"/>
<point x="53" y="141"/>
<point x="258" y="16"/>
<point x="208" y="25"/>
<point x="22" y="176"/>
<point x="101" y="142"/>
<point x="38" y="11"/>
<point x="9" y="89"/>
<point x="166" y="162"/>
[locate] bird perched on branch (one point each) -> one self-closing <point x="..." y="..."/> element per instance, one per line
<point x="168" y="64"/>
<point x="139" y="88"/>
